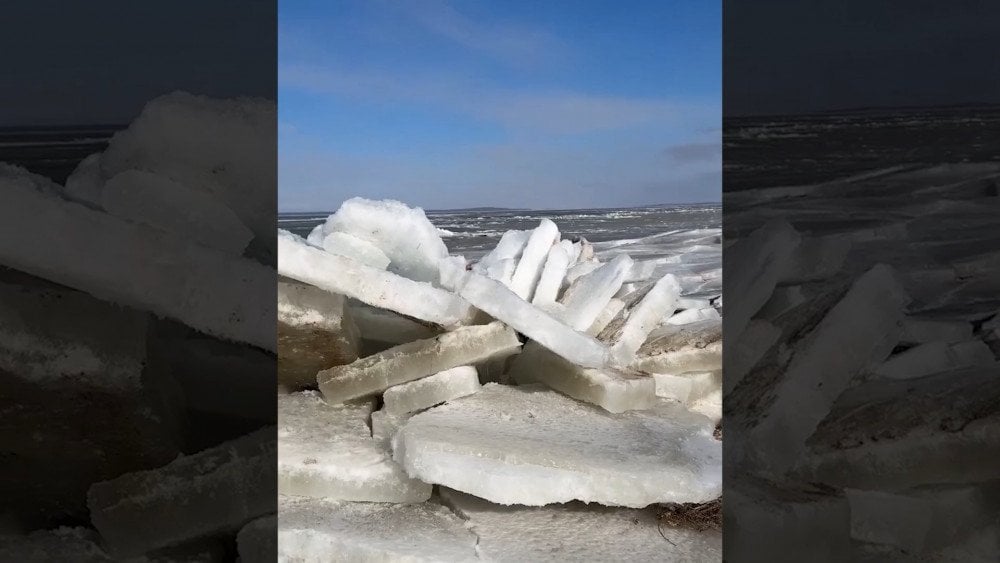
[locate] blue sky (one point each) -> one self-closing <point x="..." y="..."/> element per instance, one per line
<point x="448" y="104"/>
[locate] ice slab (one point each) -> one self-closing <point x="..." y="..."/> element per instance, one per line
<point x="165" y="204"/>
<point x="610" y="311"/>
<point x="338" y="274"/>
<point x="314" y="530"/>
<point x="361" y="250"/>
<point x="327" y="451"/>
<point x="581" y="269"/>
<point x="750" y="347"/>
<point x="816" y="259"/>
<point x="384" y="427"/>
<point x="383" y="325"/>
<point x="586" y="297"/>
<point x="687" y="387"/>
<point x="937" y="429"/>
<point x="414" y="360"/>
<point x="493" y="298"/>
<point x="707" y="358"/>
<point x="783" y="299"/>
<point x="402" y="233"/>
<point x="217" y="293"/>
<point x="528" y="445"/>
<point x="659" y="302"/>
<point x="689" y="316"/>
<point x="578" y="532"/>
<point x="85" y="184"/>
<point x="431" y="390"/>
<point x="827" y="361"/>
<point x="315" y="332"/>
<point x="189" y="139"/>
<point x="759" y="262"/>
<point x="500" y="263"/>
<point x="934" y="357"/>
<point x="612" y="389"/>
<point x="83" y="545"/>
<point x="216" y="490"/>
<point x="257" y="542"/>
<point x="529" y="267"/>
<point x="672" y="338"/>
<point x="553" y="273"/>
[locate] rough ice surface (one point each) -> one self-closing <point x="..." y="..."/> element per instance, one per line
<point x="356" y="248"/>
<point x="750" y="346"/>
<point x="320" y="530"/>
<point x="315" y="332"/>
<point x="553" y="273"/>
<point x="586" y="297"/>
<point x="581" y="269"/>
<point x="707" y="358"/>
<point x="578" y="532"/>
<point x="327" y="451"/>
<point x="402" y="233"/>
<point x="215" y="490"/>
<point x="384" y="427"/>
<point x="503" y="304"/>
<point x="84" y="184"/>
<point x="528" y="445"/>
<point x="83" y="545"/>
<point x="529" y="267"/>
<point x="612" y="389"/>
<point x="610" y="311"/>
<point x="383" y="325"/>
<point x="108" y="257"/>
<point x="431" y="390"/>
<point x="500" y="262"/>
<point x="414" y="360"/>
<point x="920" y="331"/>
<point x="257" y="542"/>
<point x="168" y="205"/>
<point x="687" y="387"/>
<point x="934" y="357"/>
<point x="338" y="274"/>
<point x="659" y="302"/>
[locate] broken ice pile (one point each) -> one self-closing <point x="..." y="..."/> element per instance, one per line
<point x="862" y="376"/>
<point x="554" y="381"/>
<point x="136" y="340"/>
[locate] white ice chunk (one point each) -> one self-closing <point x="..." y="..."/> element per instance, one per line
<point x="384" y="427"/>
<point x="578" y="532"/>
<point x="217" y="293"/>
<point x="707" y="358"/>
<point x="687" y="387"/>
<point x="589" y="295"/>
<point x="610" y="311"/>
<point x="695" y="303"/>
<point x="213" y="491"/>
<point x="432" y="390"/>
<point x="920" y="331"/>
<point x="85" y="184"/>
<point x="581" y="269"/>
<point x="338" y="274"/>
<point x="758" y="263"/>
<point x="689" y="316"/>
<point x="315" y="331"/>
<point x="934" y="357"/>
<point x="315" y="237"/>
<point x="783" y="299"/>
<point x="413" y="360"/>
<point x="750" y="346"/>
<point x="402" y="233"/>
<point x="642" y="270"/>
<point x="529" y="267"/>
<point x="501" y="303"/>
<point x="327" y="451"/>
<point x="816" y="259"/>
<point x="170" y="206"/>
<point x="659" y="302"/>
<point x="314" y="530"/>
<point x="612" y="389"/>
<point x="361" y="250"/>
<point x="528" y="445"/>
<point x="503" y="257"/>
<point x="382" y="325"/>
<point x="553" y="273"/>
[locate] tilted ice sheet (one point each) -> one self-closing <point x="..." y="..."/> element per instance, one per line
<point x="658" y="303"/>
<point x="431" y="390"/>
<point x="611" y="389"/>
<point x="578" y="532"/>
<point x="402" y="233"/>
<point x="413" y="360"/>
<point x="339" y="274"/>
<point x="217" y="293"/>
<point x="553" y="273"/>
<point x="327" y="451"/>
<point x="383" y="325"/>
<point x="493" y="298"/>
<point x="532" y="446"/>
<point x="586" y="297"/>
<point x="529" y="267"/>
<point x="356" y="248"/>
<point x="507" y="252"/>
<point x="319" y="530"/>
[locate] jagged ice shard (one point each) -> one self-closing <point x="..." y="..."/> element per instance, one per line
<point x="529" y="267"/>
<point x="589" y="295"/>
<point x="528" y="445"/>
<point x="659" y="302"/>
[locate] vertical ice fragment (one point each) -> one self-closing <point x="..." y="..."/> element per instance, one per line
<point x="660" y="301"/>
<point x="553" y="273"/>
<point x="529" y="267"/>
<point x="587" y="296"/>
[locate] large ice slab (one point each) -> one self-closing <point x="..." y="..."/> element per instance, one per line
<point x="110" y="258"/>
<point x="528" y="445"/>
<point x="314" y="530"/>
<point x="413" y="360"/>
<point x="500" y="263"/>
<point x="934" y="357"/>
<point x="659" y="302"/>
<point x="315" y="332"/>
<point x="216" y="490"/>
<point x="168" y="205"/>
<point x="383" y="325"/>
<point x="327" y="451"/>
<point x="578" y="532"/>
<point x="432" y="390"/>
<point x="338" y="274"/>
<point x="529" y="267"/>
<point x="356" y="248"/>
<point x="553" y="273"/>
<point x="586" y="297"/>
<point x="402" y="233"/>
<point x="612" y="389"/>
<point x="501" y="303"/>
